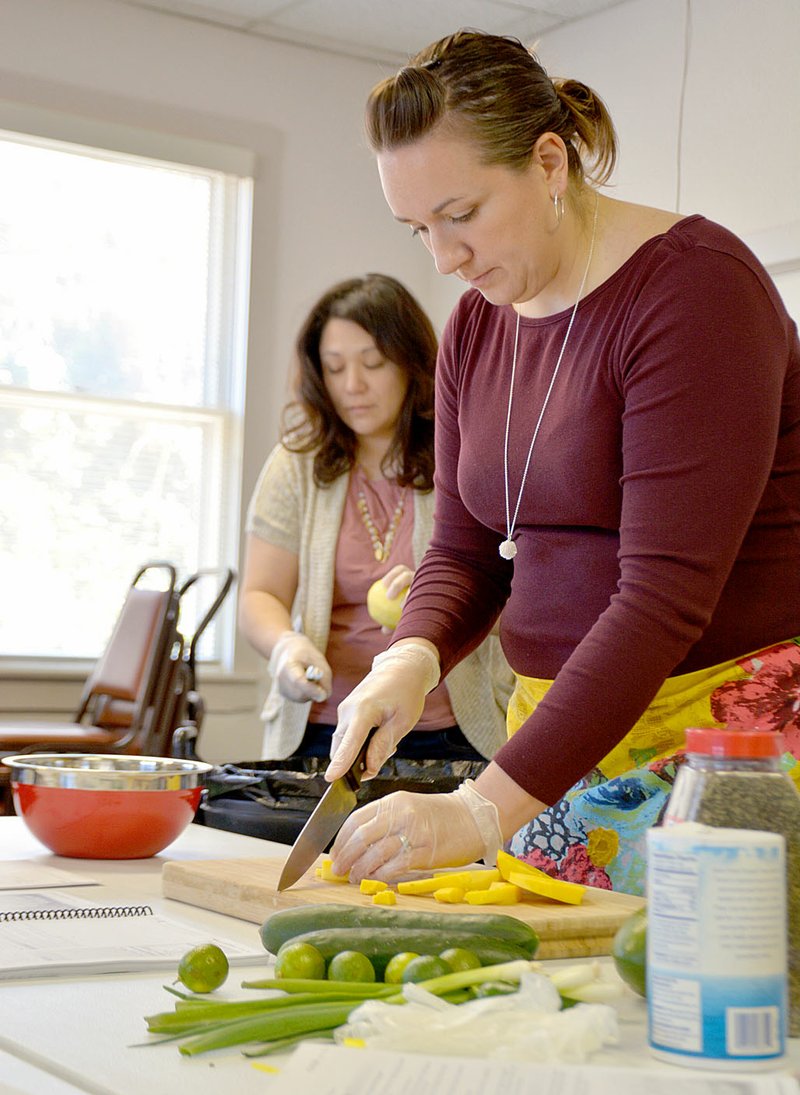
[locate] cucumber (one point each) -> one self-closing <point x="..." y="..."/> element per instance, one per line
<point x="288" y="923"/>
<point x="381" y="944"/>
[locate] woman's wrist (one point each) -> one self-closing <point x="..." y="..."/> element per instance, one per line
<point x="418" y="653"/>
<point x="515" y="807"/>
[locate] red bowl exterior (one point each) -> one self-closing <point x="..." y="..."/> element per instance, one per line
<point x="86" y="824"/>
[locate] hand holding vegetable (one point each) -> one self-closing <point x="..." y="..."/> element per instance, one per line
<point x="405" y="832"/>
<point x="396" y="580"/>
<point x="391" y="697"/>
<point x="292" y="655"/>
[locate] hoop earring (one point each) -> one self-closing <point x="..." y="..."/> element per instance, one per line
<point x="558" y="205"/>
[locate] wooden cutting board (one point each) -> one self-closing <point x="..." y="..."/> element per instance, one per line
<point x="246" y="888"/>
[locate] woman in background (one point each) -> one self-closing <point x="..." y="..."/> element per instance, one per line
<point x="346" y="499"/>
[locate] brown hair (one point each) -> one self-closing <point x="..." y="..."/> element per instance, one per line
<point x="403" y="334"/>
<point x="493" y="89"/>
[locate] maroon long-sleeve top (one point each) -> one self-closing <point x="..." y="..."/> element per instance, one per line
<point x="659" y="525"/>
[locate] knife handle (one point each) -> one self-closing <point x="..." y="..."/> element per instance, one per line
<point x="353" y="777"/>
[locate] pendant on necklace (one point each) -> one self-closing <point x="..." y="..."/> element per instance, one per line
<point x="508" y="549"/>
<point x="378" y="553"/>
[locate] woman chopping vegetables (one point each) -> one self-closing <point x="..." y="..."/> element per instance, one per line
<point x="617" y="470"/>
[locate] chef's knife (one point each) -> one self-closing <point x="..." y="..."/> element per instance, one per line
<point x="326" y="820"/>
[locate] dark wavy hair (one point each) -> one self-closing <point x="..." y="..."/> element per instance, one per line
<point x="403" y="334"/>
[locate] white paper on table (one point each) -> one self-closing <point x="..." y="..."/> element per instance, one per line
<point x="48" y="933"/>
<point x="27" y="874"/>
<point x="341" y="1070"/>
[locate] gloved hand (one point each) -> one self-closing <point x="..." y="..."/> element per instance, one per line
<point x="291" y="656"/>
<point x="406" y="832"/>
<point x="397" y="579"/>
<point x="391" y="698"/>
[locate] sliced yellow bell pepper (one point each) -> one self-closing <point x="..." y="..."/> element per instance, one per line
<point x="571" y="893"/>
<point x="450" y="895"/>
<point x="467" y="880"/>
<point x="327" y="875"/>
<point x="372" y="885"/>
<point x="499" y="893"/>
<point x="535" y="881"/>
<point x="384" y="897"/>
<point x="507" y="863"/>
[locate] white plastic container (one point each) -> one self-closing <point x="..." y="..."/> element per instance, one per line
<point x="716" y="947"/>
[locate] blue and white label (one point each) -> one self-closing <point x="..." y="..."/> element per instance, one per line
<point x="716" y="946"/>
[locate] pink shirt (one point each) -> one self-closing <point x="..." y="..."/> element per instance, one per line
<point x="355" y="638"/>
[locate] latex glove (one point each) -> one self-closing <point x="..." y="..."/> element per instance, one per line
<point x="391" y="698"/>
<point x="406" y="832"/>
<point x="291" y="656"/>
<point x="397" y="579"/>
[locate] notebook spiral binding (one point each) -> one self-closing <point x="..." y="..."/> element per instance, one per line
<point x="101" y="912"/>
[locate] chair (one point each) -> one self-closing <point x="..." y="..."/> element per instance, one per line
<point x="179" y="727"/>
<point x="141" y="696"/>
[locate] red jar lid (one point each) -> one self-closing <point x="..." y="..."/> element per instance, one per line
<point x="734" y="743"/>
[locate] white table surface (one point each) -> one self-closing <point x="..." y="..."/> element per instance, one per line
<point x="64" y="1035"/>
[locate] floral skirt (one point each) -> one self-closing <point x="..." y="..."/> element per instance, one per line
<point x="596" y="833"/>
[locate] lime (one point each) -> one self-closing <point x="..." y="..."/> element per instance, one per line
<point x="350" y="966"/>
<point x="203" y="968"/>
<point x="629" y="951"/>
<point x="393" y="974"/>
<point x="459" y="958"/>
<point x="300" y="960"/>
<point x="424" y="967"/>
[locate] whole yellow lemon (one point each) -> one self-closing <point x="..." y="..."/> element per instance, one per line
<point x="384" y="611"/>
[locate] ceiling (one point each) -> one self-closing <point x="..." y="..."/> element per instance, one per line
<point x="383" y="30"/>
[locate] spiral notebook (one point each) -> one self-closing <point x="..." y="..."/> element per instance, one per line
<point x="53" y="933"/>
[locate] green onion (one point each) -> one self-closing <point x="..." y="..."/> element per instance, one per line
<point x="221" y="1011"/>
<point x="308" y="1019"/>
<point x="462" y="979"/>
<point x="367" y="989"/>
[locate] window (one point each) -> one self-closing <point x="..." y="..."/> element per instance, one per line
<point x="123" y="288"/>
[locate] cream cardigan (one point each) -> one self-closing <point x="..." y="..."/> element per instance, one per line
<point x="288" y="510"/>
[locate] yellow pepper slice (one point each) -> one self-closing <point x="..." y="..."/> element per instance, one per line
<point x="327" y="874"/>
<point x="384" y="897"/>
<point x="372" y="885"/>
<point x="535" y="881"/>
<point x="450" y="895"/>
<point x="571" y="893"/>
<point x="467" y="880"/>
<point x="499" y="893"/>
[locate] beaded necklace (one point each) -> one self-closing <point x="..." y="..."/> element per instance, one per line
<point x="381" y="548"/>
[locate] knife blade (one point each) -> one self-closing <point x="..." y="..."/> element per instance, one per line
<point x="326" y="820"/>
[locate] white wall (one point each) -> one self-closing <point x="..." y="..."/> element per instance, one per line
<point x="741" y="131"/>
<point x="319" y="213"/>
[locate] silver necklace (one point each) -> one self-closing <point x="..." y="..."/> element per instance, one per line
<point x="508" y="549"/>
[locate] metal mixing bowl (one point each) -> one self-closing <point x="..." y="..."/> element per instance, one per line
<point x="100" y="806"/>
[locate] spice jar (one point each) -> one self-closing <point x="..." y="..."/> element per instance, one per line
<point x="716" y="947"/>
<point x="733" y="779"/>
